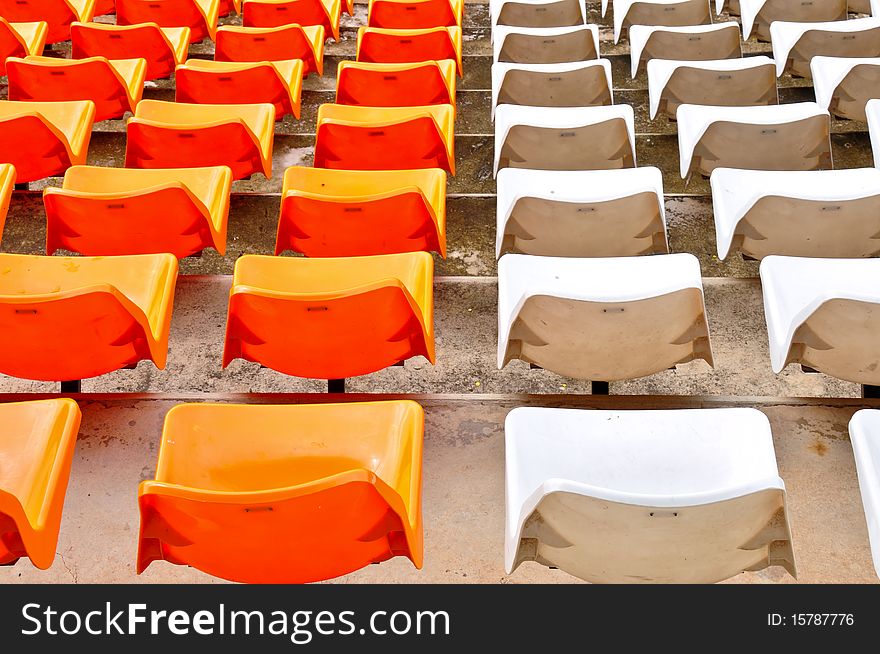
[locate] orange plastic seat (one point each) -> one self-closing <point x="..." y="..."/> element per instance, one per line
<point x="112" y="211"/>
<point x="396" y="85"/>
<point x="346" y="213"/>
<point x="285" y="493"/>
<point x="415" y="14"/>
<point x="104" y="7"/>
<point x="42" y="139"/>
<point x="68" y="318"/>
<point x="385" y="138"/>
<point x="277" y="13"/>
<point x="228" y="7"/>
<point x="36" y="447"/>
<point x="175" y="135"/>
<point x="222" y="82"/>
<point x="57" y="14"/>
<point x="387" y="46"/>
<point x="7" y="185"/>
<point x="21" y="40"/>
<point x="114" y="86"/>
<point x="162" y="47"/>
<point x="272" y="44"/>
<point x="331" y="318"/>
<point x="200" y="16"/>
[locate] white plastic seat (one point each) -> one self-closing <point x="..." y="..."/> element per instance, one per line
<point x="545" y="45"/>
<point x="691" y="43"/>
<point x="602" y="319"/>
<point x="578" y="84"/>
<point x="872" y="113"/>
<point x="725" y="82"/>
<point x="674" y="496"/>
<point x="564" y="138"/>
<point x="795" y="44"/>
<point x="828" y="213"/>
<point x="844" y="85"/>
<point x="864" y="433"/>
<point x="824" y="314"/>
<point x="600" y="213"/>
<point x="538" y="13"/>
<point x="669" y="13"/>
<point x="757" y="15"/>
<point x="776" y="137"/>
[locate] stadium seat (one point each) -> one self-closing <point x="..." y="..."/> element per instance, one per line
<point x="546" y="45"/>
<point x="830" y="213"/>
<point x="872" y="113"/>
<point x="279" y="83"/>
<point x="272" y="44"/>
<point x="844" y="85"/>
<point x="776" y="137"/>
<point x="385" y="138"/>
<point x="57" y="14"/>
<point x="381" y="46"/>
<point x="538" y="13"/>
<point x="36" y="447"/>
<point x="669" y="496"/>
<point x="104" y="7"/>
<point x="859" y="6"/>
<point x="228" y="7"/>
<point x="114" y="86"/>
<point x="578" y="84"/>
<point x="348" y="213"/>
<point x="564" y="138"/>
<point x="757" y="15"/>
<point x="795" y="44"/>
<point x="600" y="213"/>
<point x="69" y="318"/>
<point x="7" y="185"/>
<point x="20" y="40"/>
<point x="285" y="493"/>
<point x="726" y="82"/>
<point x="602" y="319"/>
<point x="666" y="13"/>
<point x="414" y="14"/>
<point x="396" y="85"/>
<point x="162" y="47"/>
<point x="823" y="314"/>
<point x="331" y="318"/>
<point x="200" y="16"/>
<point x="689" y="43"/>
<point x="864" y="433"/>
<point x="43" y="139"/>
<point x="175" y="135"/>
<point x="113" y="211"/>
<point x="278" y="13"/>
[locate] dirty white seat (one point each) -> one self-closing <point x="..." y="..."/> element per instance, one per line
<point x="864" y="433"/>
<point x="577" y="84"/>
<point x="537" y="13"/>
<point x="598" y="213"/>
<point x="691" y="43"/>
<point x="826" y="213"/>
<point x="725" y="82"/>
<point x="545" y="45"/>
<point x="824" y="314"/>
<point x="669" y="496"/>
<point x="671" y="13"/>
<point x="795" y="44"/>
<point x="776" y="137"/>
<point x="844" y="85"/>
<point x="601" y="319"/>
<point x="757" y="15"/>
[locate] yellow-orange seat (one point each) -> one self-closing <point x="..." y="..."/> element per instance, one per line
<point x="385" y="138"/>
<point x="37" y="440"/>
<point x="57" y="14"/>
<point x="42" y="139"/>
<point x="387" y="46"/>
<point x="113" y="211"/>
<point x="330" y="318"/>
<point x="114" y="86"/>
<point x="415" y="14"/>
<point x="272" y="44"/>
<point x="277" y="13"/>
<point x="200" y="16"/>
<point x="175" y="135"/>
<point x="347" y="213"/>
<point x="21" y="40"/>
<point x="67" y="318"/>
<point x="279" y="83"/>
<point x="162" y="47"/>
<point x="396" y="85"/>
<point x="7" y="184"/>
<point x="285" y="493"/>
